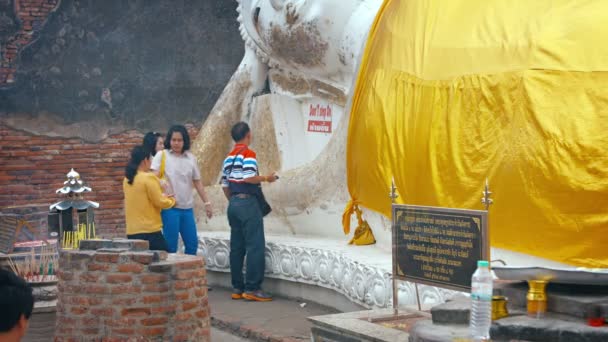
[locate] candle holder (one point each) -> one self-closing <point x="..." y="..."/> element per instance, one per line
<point x="537" y="298"/>
<point x="72" y="219"/>
<point x="499" y="307"/>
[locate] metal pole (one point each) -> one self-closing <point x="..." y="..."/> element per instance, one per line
<point x="393" y="195"/>
<point x="487" y="201"/>
<point x="418" y="297"/>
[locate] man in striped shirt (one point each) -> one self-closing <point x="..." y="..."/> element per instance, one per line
<point x="240" y="181"/>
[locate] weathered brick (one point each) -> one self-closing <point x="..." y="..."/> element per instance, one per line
<point x="204" y="313"/>
<point x="136" y="312"/>
<point x="156" y="288"/>
<point x="89" y="321"/>
<point x="95" y="244"/>
<point x="99" y="267"/>
<point x="124" y="331"/>
<point x="200" y="292"/>
<point x="127" y="301"/>
<point x="189" y="305"/>
<point x="80" y="255"/>
<point x="65" y="275"/>
<point x="125" y="289"/>
<point x="155" y="331"/>
<point x="145" y="258"/>
<point x="167" y="309"/>
<point x="196" y="262"/>
<point x="183" y="284"/>
<point x="95" y="289"/>
<point x="90" y="331"/>
<point x="132" y="245"/>
<point x="184" y="316"/>
<point x="160" y="255"/>
<point x="83" y="301"/>
<point x="182" y="295"/>
<point x="123" y="322"/>
<point x="65" y="330"/>
<point x="181" y="337"/>
<point x="155" y="299"/>
<point x="189" y="274"/>
<point x="89" y="277"/>
<point x="131" y="268"/>
<point x="106" y="257"/>
<point x="154" y="321"/>
<point x="161" y="267"/>
<point x="105" y="312"/>
<point x="119" y="278"/>
<point x="153" y="278"/>
<point x="79" y="310"/>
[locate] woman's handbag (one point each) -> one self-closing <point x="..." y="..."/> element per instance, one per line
<point x="164" y="182"/>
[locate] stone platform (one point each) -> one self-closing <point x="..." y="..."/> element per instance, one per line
<point x="450" y="321"/>
<point x="380" y="325"/>
<point x="561" y="298"/>
<point x="360" y="274"/>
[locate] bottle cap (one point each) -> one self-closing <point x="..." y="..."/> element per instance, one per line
<point x="483" y="263"/>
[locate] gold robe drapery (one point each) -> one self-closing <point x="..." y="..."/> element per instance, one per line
<point x="450" y="93"/>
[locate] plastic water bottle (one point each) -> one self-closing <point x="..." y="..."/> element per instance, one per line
<point x="481" y="302"/>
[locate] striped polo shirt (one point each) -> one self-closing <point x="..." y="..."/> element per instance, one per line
<point x="239" y="165"/>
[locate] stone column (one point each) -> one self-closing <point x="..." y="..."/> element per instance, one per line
<point x="118" y="290"/>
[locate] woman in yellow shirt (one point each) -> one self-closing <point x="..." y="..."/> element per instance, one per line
<point x="144" y="200"/>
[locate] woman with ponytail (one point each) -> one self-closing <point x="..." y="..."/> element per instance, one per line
<point x="144" y="200"/>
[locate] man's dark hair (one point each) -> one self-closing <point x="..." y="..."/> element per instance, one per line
<point x="239" y="131"/>
<point x="181" y="129"/>
<point x="16" y="299"/>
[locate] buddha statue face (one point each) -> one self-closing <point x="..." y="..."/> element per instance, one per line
<point x="314" y="36"/>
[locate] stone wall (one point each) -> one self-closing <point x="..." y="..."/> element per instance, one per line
<point x="118" y="290"/>
<point x="31" y="14"/>
<point x="32" y="167"/>
<point x="99" y="68"/>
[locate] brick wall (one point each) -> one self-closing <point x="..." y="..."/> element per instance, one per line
<point x="117" y="291"/>
<point x="32" y="167"/>
<point x="31" y="14"/>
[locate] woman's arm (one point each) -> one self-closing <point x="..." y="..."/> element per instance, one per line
<point x="155" y="194"/>
<point x="198" y="185"/>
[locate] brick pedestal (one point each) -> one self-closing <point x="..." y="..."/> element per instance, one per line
<point x="117" y="290"/>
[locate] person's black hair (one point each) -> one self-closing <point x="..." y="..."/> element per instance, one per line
<point x="239" y="131"/>
<point x="16" y="299"/>
<point x="138" y="154"/>
<point x="150" y="140"/>
<point x="181" y="129"/>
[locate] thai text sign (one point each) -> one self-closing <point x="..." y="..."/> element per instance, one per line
<point x="319" y="118"/>
<point x="438" y="246"/>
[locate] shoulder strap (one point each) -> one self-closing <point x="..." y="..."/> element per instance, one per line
<point x="234" y="160"/>
<point x="161" y="172"/>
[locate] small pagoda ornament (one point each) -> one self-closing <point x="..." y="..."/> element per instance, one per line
<point x="72" y="219"/>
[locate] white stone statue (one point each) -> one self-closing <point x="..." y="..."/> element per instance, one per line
<point x="292" y="87"/>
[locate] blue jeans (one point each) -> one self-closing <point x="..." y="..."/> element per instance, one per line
<point x="246" y="238"/>
<point x="180" y="222"/>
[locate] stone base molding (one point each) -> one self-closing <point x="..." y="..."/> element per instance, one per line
<point x="367" y="285"/>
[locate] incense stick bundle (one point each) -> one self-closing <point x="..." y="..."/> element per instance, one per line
<point x="32" y="266"/>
